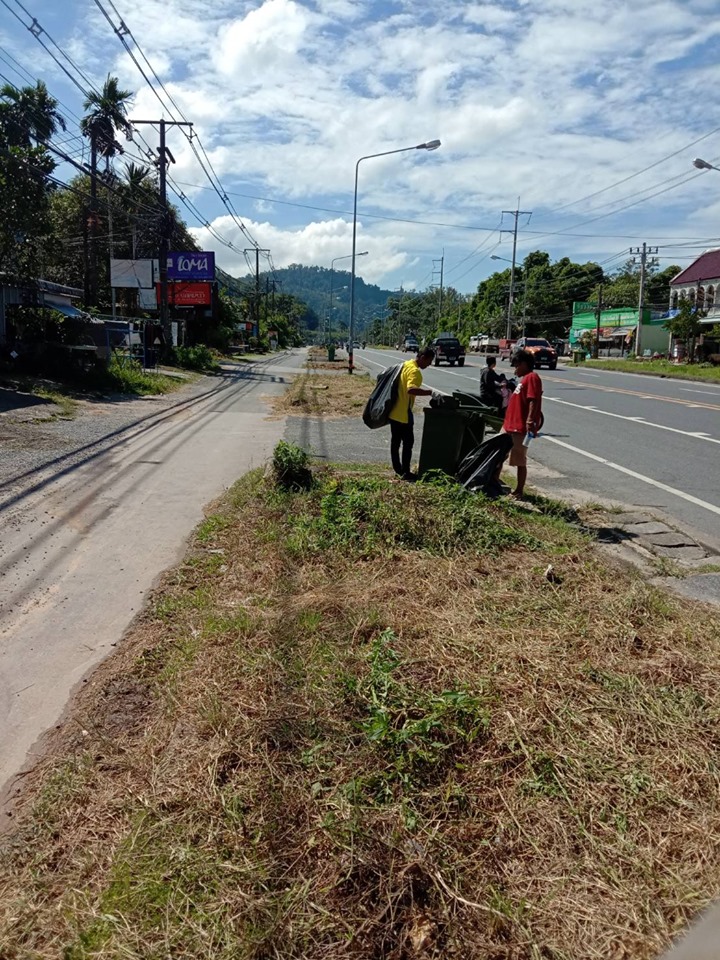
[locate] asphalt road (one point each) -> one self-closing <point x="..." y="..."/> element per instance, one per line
<point x="86" y="533"/>
<point x="628" y="438"/>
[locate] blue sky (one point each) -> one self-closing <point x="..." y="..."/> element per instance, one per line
<point x="551" y="101"/>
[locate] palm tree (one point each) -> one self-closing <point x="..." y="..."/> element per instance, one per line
<point x="29" y="114"/>
<point x="107" y="114"/>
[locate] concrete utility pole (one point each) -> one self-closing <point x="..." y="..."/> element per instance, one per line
<point x="516" y="214"/>
<point x="642" y="252"/>
<point x="256" y="304"/>
<point x="164" y="157"/>
<point x="439" y="270"/>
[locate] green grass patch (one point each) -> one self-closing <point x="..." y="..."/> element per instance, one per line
<point x="372" y="727"/>
<point x="659" y="368"/>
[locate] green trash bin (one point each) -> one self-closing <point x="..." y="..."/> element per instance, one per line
<point x="578" y="356"/>
<point x="448" y="436"/>
<point x="331" y="352"/>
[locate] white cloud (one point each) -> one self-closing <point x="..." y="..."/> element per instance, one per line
<point x="318" y="242"/>
<point x="547" y="99"/>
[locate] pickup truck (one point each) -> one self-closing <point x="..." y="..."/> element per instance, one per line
<point x="410" y="344"/>
<point x="545" y="355"/>
<point x="506" y="348"/>
<point x="448" y="349"/>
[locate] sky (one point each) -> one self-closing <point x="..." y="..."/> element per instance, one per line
<point x="578" y="112"/>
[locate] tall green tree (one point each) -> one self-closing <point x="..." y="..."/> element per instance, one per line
<point x="28" y="118"/>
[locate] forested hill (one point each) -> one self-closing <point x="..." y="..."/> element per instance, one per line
<point x="312" y="285"/>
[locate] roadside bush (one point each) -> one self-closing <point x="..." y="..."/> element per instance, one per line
<point x="290" y="467"/>
<point x="200" y="358"/>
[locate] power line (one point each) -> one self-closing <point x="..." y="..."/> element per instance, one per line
<point x="122" y="32"/>
<point x="632" y="176"/>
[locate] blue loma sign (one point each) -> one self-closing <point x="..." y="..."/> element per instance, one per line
<point x="191" y="266"/>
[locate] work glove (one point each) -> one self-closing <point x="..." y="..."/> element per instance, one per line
<point x="436" y="395"/>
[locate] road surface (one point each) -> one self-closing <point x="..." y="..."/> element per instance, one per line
<point x="629" y="438"/>
<point x="84" y="538"/>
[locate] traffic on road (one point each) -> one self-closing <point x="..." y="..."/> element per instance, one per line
<point x="630" y="439"/>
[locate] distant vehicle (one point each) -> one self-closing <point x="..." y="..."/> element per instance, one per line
<point x="448" y="349"/>
<point x="410" y="345"/>
<point x="545" y="355"/>
<point x="487" y="344"/>
<point x="505" y="348"/>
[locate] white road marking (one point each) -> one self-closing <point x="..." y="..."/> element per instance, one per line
<point x="709" y="393"/>
<point x="638" y="420"/>
<point x="637" y="476"/>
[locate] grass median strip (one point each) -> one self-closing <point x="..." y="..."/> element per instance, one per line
<point x="359" y="721"/>
<point x="328" y="396"/>
<point x="703" y="372"/>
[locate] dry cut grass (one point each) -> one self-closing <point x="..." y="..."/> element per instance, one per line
<point x="360" y="722"/>
<point x="330" y="397"/>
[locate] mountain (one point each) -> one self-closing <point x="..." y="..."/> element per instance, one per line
<point x="312" y="285"/>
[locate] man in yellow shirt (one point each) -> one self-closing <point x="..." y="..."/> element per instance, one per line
<point x="401" y="415"/>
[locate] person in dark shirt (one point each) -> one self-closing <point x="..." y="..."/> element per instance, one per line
<point x="490" y="382"/>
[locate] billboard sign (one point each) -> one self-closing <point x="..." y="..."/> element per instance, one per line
<point x="191" y="266"/>
<point x="188" y="294"/>
<point x="136" y="274"/>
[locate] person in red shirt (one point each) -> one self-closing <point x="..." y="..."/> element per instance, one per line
<point x="523" y="414"/>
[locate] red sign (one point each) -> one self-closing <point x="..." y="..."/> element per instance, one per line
<point x="182" y="294"/>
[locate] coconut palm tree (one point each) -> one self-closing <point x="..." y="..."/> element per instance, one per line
<point x="29" y="114"/>
<point x="107" y="114"/>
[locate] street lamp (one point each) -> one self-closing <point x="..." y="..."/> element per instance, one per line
<point x="332" y="267"/>
<point x="430" y="145"/>
<point x="703" y="164"/>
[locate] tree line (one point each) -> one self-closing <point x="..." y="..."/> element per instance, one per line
<point x="543" y="295"/>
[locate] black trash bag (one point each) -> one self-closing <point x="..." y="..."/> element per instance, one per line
<point x="382" y="399"/>
<point x="478" y="470"/>
<point x="444" y="402"/>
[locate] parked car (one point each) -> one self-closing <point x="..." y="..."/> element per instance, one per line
<point x="545" y="355"/>
<point x="448" y="349"/>
<point x="410" y="345"/>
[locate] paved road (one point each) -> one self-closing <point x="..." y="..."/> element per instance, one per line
<point x="629" y="438"/>
<point x="85" y="535"/>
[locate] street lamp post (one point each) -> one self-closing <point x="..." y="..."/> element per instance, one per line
<point x="703" y="164"/>
<point x="332" y="267"/>
<point x="430" y="145"/>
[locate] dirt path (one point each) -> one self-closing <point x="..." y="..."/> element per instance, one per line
<point x="87" y="531"/>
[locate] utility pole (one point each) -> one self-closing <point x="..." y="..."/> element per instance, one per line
<point x="598" y="315"/>
<point x="256" y="304"/>
<point x="642" y="252"/>
<point x="516" y="214"/>
<point x="439" y="270"/>
<point x="91" y="284"/>
<point x="164" y="157"/>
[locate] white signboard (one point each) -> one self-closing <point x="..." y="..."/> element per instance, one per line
<point x="136" y="274"/>
<point x="147" y="299"/>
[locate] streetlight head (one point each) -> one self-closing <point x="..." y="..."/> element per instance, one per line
<point x="430" y="145"/>
<point x="363" y="254"/>
<point x="702" y="164"/>
<point x="494" y="256"/>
